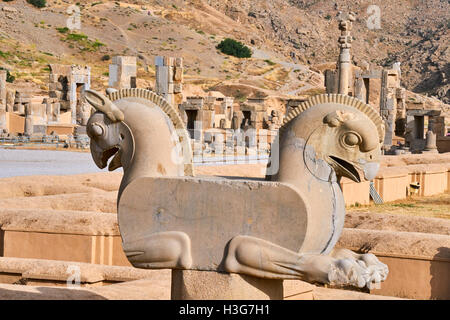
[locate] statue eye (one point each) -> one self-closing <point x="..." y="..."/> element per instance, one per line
<point x="97" y="129"/>
<point x="351" y="139"/>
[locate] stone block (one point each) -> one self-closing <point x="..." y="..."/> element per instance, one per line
<point x="297" y="290"/>
<point x="392" y="183"/>
<point x="177" y="98"/>
<point x="159" y="61"/>
<point x="229" y="150"/>
<point x="178" y="74"/>
<point x="207" y="285"/>
<point x="179" y="62"/>
<point x="170" y="74"/>
<point x="55" y="94"/>
<point x="240" y="150"/>
<point x="177" y="88"/>
<point x="39" y="129"/>
<point x="169" y="61"/>
<point x="53" y="77"/>
<point x="207" y="136"/>
<point x="162" y="79"/>
<point x="197" y="148"/>
<point x="418" y="262"/>
<point x="251" y="151"/>
<point x="113" y="75"/>
<point x="355" y="192"/>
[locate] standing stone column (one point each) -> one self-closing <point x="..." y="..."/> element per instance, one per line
<point x="169" y="79"/>
<point x="48" y="109"/>
<point x="345" y="25"/>
<point x="28" y="130"/>
<point x="430" y="143"/>
<point x="2" y="100"/>
<point x="10" y="97"/>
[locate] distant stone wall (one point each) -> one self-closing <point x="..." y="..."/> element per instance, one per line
<point x="122" y="72"/>
<point x="169" y="79"/>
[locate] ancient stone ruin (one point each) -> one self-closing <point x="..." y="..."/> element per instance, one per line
<point x="63" y="113"/>
<point x="122" y="72"/>
<point x="381" y="88"/>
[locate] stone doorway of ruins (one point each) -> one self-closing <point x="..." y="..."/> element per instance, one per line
<point x="191" y="117"/>
<point x="246" y="118"/>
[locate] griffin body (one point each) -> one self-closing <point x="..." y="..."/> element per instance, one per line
<point x="280" y="229"/>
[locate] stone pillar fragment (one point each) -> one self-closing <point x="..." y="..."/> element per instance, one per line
<point x="28" y="130"/>
<point x="209" y="285"/>
<point x="2" y="100"/>
<point x="430" y="143"/>
<point x="122" y="72"/>
<point x="345" y="25"/>
<point x="169" y="79"/>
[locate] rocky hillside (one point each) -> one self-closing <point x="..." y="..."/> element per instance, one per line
<point x="413" y="32"/>
<point x="291" y="39"/>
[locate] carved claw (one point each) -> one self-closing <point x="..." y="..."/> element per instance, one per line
<point x="260" y="258"/>
<point x="348" y="272"/>
<point x="366" y="265"/>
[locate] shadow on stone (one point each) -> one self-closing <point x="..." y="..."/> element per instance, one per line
<point x="47" y="293"/>
<point x="440" y="275"/>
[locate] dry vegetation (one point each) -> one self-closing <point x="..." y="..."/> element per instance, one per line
<point x="437" y="206"/>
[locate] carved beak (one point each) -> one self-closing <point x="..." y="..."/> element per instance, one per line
<point x="350" y="170"/>
<point x="101" y="156"/>
<point x="345" y="169"/>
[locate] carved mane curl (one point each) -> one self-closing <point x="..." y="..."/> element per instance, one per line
<point x="170" y="111"/>
<point x="369" y="111"/>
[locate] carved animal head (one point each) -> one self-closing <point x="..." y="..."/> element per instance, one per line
<point x="130" y="119"/>
<point x="351" y="144"/>
<point x="109" y="135"/>
<point x="341" y="131"/>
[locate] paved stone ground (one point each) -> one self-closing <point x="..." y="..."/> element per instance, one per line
<point x="15" y="162"/>
<point x="43" y="162"/>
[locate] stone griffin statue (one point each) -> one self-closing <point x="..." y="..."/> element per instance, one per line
<point x="281" y="229"/>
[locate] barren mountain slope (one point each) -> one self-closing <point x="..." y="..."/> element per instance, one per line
<point x="414" y="32"/>
<point x="291" y="40"/>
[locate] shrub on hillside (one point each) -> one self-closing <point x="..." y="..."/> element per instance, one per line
<point x="9" y="77"/>
<point x="37" y="3"/>
<point x="234" y="48"/>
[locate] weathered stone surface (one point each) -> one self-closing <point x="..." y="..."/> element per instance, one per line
<point x="178" y="74"/>
<point x="56" y="271"/>
<point x="198" y="285"/>
<point x="256" y="215"/>
<point x="162" y="79"/>
<point x="122" y="72"/>
<point x="423" y="257"/>
<point x="59" y="221"/>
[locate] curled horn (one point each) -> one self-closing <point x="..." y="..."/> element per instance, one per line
<point x="103" y="104"/>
